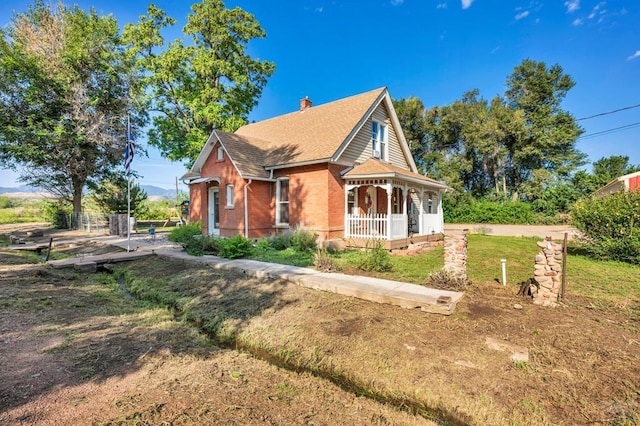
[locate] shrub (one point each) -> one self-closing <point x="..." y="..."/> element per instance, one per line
<point x="375" y="259"/>
<point x="612" y="223"/>
<point x="6" y="202"/>
<point x="447" y="281"/>
<point x="280" y="241"/>
<point x="184" y="234"/>
<point x="235" y="247"/>
<point x="324" y="262"/>
<point x="56" y="212"/>
<point x="487" y="211"/>
<point x="304" y="240"/>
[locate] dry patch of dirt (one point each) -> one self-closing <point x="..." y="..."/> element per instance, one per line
<point x="75" y="350"/>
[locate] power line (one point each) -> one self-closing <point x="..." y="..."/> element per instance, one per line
<point x="606" y="132"/>
<point x="608" y="112"/>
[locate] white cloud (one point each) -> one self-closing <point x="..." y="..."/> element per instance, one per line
<point x="596" y="10"/>
<point x="577" y="22"/>
<point x="522" y="15"/>
<point x="319" y="9"/>
<point x="634" y="56"/>
<point x="466" y="4"/>
<point x="397" y="2"/>
<point x="441" y="6"/>
<point x="572" y="5"/>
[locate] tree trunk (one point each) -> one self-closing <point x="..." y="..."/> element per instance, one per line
<point x="77" y="202"/>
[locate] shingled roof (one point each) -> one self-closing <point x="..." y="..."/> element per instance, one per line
<point x="314" y="134"/>
<point x="375" y="167"/>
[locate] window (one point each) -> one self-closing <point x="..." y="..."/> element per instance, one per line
<point x="220" y="153"/>
<point x="430" y="206"/>
<point x="229" y="195"/>
<point x="351" y="201"/>
<point x="379" y="140"/>
<point x="282" y="202"/>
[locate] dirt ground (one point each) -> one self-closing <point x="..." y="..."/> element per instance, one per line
<point x="75" y="350"/>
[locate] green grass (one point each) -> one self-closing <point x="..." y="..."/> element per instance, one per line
<point x="484" y="253"/>
<point x="605" y="280"/>
<point x="288" y="256"/>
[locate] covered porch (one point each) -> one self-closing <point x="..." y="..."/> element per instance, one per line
<point x="394" y="206"/>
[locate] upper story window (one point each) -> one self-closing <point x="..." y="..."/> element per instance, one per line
<point x="282" y="202"/>
<point x="220" y="153"/>
<point x="379" y="140"/>
<point x="229" y="195"/>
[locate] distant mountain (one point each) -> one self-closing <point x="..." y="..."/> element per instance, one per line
<point x="21" y="188"/>
<point x="152" y="191"/>
<point x="155" y="191"/>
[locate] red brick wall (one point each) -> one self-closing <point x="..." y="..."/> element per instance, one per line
<point x="634" y="183"/>
<point x="316" y="198"/>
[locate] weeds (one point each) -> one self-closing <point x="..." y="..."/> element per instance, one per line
<point x="375" y="259"/>
<point x="324" y="262"/>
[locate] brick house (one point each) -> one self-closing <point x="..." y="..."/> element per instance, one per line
<point x="626" y="183"/>
<point x="342" y="169"/>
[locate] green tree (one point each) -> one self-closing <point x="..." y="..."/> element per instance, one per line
<point x="548" y="140"/>
<point x="209" y="83"/>
<point x="607" y="169"/>
<point x="65" y="89"/>
<point x="110" y="195"/>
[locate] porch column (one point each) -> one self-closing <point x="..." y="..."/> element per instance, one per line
<point x="405" y="194"/>
<point x="441" y="212"/>
<point x="389" y="195"/>
<point x="347" y="230"/>
<point x="421" y="212"/>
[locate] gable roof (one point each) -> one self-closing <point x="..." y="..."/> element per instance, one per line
<point x="313" y="135"/>
<point x="374" y="168"/>
<point x="620" y="181"/>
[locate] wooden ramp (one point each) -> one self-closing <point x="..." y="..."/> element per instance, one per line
<point x="99" y="259"/>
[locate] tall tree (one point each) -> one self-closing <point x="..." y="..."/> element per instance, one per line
<point x="111" y="195"/>
<point x="211" y="82"/>
<point x="548" y="142"/>
<point x="64" y="94"/>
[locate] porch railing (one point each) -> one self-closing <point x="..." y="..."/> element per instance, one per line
<point x="376" y="226"/>
<point x="431" y="223"/>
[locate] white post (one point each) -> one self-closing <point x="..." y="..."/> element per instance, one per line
<point x="504" y="271"/>
<point x="389" y="195"/>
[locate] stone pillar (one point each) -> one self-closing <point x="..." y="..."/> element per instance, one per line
<point x="548" y="274"/>
<point x="455" y="254"/>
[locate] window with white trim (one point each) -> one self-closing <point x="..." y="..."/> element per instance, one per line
<point x="220" y="153"/>
<point x="282" y="202"/>
<point x="229" y="195"/>
<point x="379" y="140"/>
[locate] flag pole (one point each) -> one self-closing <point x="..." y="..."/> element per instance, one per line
<point x="128" y="190"/>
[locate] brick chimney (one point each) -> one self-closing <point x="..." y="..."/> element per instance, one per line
<point x="305" y="103"/>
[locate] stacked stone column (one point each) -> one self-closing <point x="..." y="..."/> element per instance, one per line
<point x="547" y="273"/>
<point x="455" y="254"/>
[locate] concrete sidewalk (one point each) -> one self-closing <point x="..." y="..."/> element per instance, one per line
<point x="374" y="289"/>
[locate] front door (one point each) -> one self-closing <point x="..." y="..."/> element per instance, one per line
<point x="214" y="211"/>
<point x="372" y="200"/>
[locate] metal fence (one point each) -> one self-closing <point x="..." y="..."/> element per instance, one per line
<point x="88" y="222"/>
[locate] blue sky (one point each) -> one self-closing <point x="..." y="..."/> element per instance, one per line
<point x="433" y="49"/>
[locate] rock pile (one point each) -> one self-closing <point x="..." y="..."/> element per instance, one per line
<point x="548" y="274"/>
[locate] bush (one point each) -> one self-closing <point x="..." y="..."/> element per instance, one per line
<point x="324" y="262"/>
<point x="57" y="212"/>
<point x="235" y="247"/>
<point x="6" y="202"/>
<point x="375" y="259"/>
<point x="447" y="281"/>
<point x="612" y="223"/>
<point x="280" y="241"/>
<point x="487" y="211"/>
<point x="184" y="234"/>
<point x="304" y="240"/>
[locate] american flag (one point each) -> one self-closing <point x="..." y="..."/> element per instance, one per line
<point x="129" y="149"/>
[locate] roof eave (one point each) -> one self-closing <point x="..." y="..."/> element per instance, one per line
<point x="298" y="164"/>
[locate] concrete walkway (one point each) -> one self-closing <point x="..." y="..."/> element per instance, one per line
<point x="374" y="289"/>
